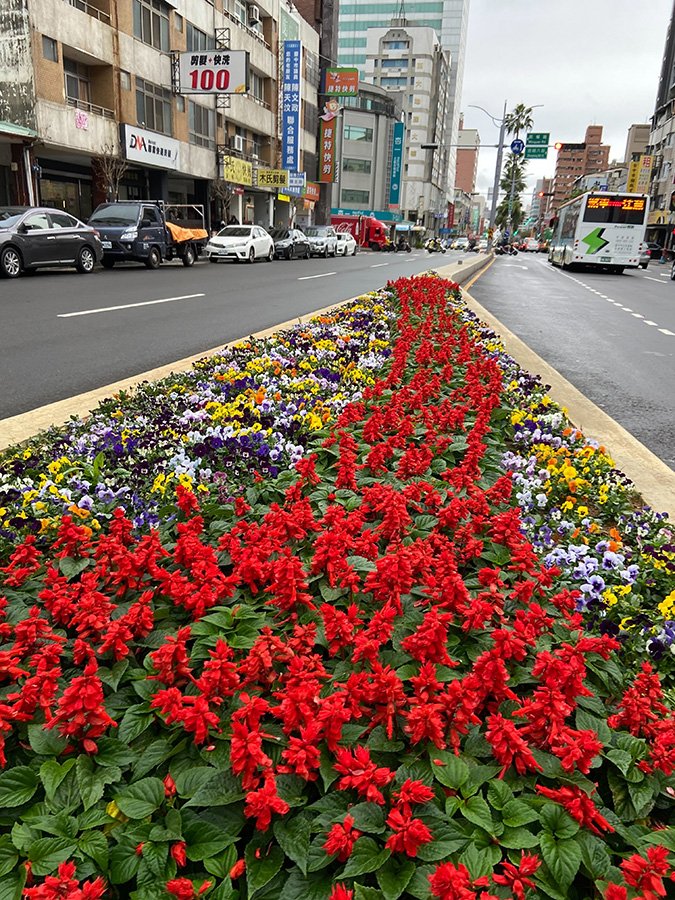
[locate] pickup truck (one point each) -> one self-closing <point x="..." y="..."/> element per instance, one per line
<point x="149" y="232"/>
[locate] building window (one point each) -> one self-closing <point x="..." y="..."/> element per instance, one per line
<point x="310" y="117"/>
<point x="151" y="23"/>
<point x="180" y="104"/>
<point x="352" y="196"/>
<point x="198" y="40"/>
<point x="125" y="80"/>
<point x="395" y="63"/>
<point x="50" y="49"/>
<point x="395" y="45"/>
<point x="358" y="133"/>
<point x="77" y="81"/>
<point x="202" y="125"/>
<point x="362" y="166"/>
<point x="394" y="81"/>
<point x="178" y="22"/>
<point x="240" y="12"/>
<point x="153" y="106"/>
<point x="256" y="86"/>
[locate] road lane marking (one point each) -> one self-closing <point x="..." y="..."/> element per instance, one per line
<point x="637" y="315"/>
<point x="379" y="265"/>
<point x="649" y="322"/>
<point x="102" y="309"/>
<point x="665" y="331"/>
<point x="323" y="275"/>
<point x="649" y="278"/>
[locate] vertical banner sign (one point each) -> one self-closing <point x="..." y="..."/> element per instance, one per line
<point x="327" y="151"/>
<point x="396" y="161"/>
<point x="290" y="104"/>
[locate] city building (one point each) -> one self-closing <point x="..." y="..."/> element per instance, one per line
<point x="615" y="178"/>
<point x="541" y="206"/>
<point x="637" y="141"/>
<point x="410" y="60"/>
<point x="468" y="148"/>
<point x="578" y="159"/>
<point x="90" y="97"/>
<point x="365" y="143"/>
<point x="448" y="18"/>
<point x="662" y="148"/>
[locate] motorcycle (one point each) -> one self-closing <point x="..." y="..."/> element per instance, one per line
<point x="402" y="245"/>
<point x="433" y="245"/>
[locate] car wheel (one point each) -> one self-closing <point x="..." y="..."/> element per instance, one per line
<point x="188" y="257"/>
<point x="10" y="263"/>
<point x="325" y="252"/>
<point x="86" y="261"/>
<point x="356" y="250"/>
<point x="307" y="254"/>
<point x="270" y="255"/>
<point x="251" y="255"/>
<point x="672" y="272"/>
<point x="154" y="259"/>
<point x="289" y="253"/>
<point x="212" y="259"/>
<point x="107" y="263"/>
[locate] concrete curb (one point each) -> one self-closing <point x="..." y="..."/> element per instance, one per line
<point x="653" y="479"/>
<point x="27" y="426"/>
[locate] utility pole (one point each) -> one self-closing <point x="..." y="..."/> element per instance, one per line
<point x="498" y="169"/>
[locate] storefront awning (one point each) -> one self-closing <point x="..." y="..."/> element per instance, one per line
<point x="17" y="130"/>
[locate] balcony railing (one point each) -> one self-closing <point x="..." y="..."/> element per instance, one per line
<point x="90" y="10"/>
<point x="254" y="34"/>
<point x="90" y="108"/>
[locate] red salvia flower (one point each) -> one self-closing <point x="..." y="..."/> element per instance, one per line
<point x="64" y="886"/>
<point x="579" y="805"/>
<point x="516" y="878"/>
<point x="646" y="875"/>
<point x="340" y="892"/>
<point x="409" y="833"/>
<point x="508" y="746"/>
<point x="263" y="803"/>
<point x="341" y="839"/>
<point x="361" y="774"/>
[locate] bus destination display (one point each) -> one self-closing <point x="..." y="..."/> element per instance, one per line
<point x="627" y="203"/>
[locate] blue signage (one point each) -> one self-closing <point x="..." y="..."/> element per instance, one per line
<point x="382" y="214"/>
<point x="396" y="163"/>
<point x="290" y="105"/>
<point x="297" y="182"/>
<point x="517" y="146"/>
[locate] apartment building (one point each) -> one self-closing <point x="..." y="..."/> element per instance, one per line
<point x="467" y="158"/>
<point x="86" y="85"/>
<point x="578" y="159"/>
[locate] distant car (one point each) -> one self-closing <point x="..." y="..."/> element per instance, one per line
<point x="322" y="240"/>
<point x="240" y="242"/>
<point x="531" y="245"/>
<point x="32" y="237"/>
<point x="649" y="250"/>
<point x="482" y="245"/>
<point x="543" y="247"/>
<point x="290" y="243"/>
<point x="462" y="243"/>
<point x="346" y="244"/>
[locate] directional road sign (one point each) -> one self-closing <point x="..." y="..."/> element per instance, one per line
<point x="536" y="152"/>
<point x="538" y="138"/>
<point x="517" y="146"/>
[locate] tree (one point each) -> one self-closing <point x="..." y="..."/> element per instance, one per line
<point x="513" y="182"/>
<point x="111" y="168"/>
<point x="519" y="119"/>
<point x="222" y="192"/>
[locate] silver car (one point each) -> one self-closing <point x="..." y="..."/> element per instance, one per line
<point x="322" y="240"/>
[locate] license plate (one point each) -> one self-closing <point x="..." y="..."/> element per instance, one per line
<point x="605" y="259"/>
<point x="107" y="245"/>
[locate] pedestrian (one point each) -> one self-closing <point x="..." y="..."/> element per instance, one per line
<point x="233" y="220"/>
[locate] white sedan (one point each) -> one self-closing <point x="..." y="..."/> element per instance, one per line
<point x="240" y="242"/>
<point x="346" y="244"/>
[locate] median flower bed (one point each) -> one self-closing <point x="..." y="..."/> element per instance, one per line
<point x="359" y="679"/>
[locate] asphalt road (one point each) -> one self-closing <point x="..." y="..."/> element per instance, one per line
<point x="611" y="336"/>
<point x="62" y="334"/>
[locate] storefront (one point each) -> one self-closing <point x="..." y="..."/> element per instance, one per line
<point x="16" y="181"/>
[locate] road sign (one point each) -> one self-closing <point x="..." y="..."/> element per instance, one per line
<point x="517" y="146"/>
<point x="540" y="138"/>
<point x="536" y="152"/>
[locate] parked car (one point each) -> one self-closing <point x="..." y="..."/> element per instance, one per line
<point x="32" y="237"/>
<point x="649" y="250"/>
<point x="322" y="240"/>
<point x="240" y="242"/>
<point x="289" y="243"/>
<point x="346" y="244"/>
<point x="531" y="245"/>
<point x="462" y="243"/>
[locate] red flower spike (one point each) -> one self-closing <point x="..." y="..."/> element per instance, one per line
<point x="409" y="833"/>
<point x="516" y="878"/>
<point x="646" y="875"/>
<point x="341" y="839"/>
<point x="579" y="805"/>
<point x="340" y="892"/>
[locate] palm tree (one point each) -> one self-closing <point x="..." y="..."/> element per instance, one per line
<point x="519" y="119"/>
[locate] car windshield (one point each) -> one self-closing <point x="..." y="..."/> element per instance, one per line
<point x="316" y="232"/>
<point x="279" y="234"/>
<point x="235" y="231"/>
<point x="8" y="218"/>
<point x="119" y="214"/>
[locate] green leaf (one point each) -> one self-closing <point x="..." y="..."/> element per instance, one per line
<point x="418" y="886"/>
<point x="222" y="789"/>
<point x="594" y="855"/>
<point x="621" y="759"/>
<point x="499" y="794"/>
<point x="124" y="862"/>
<point x="17" y="786"/>
<point x="204" y="839"/>
<point x="394" y="876"/>
<point x="189" y="781"/>
<point x="95" y="845"/>
<point x="53" y="773"/>
<point x="72" y="567"/>
<point x="563" y="858"/>
<point x="220" y="865"/>
<point x="292" y="834"/>
<point x="152" y="756"/>
<point x="261" y="869"/>
<point x="46" y="741"/>
<point x="361" y="892"/>
<point x="142" y="798"/>
<point x="476" y="810"/>
<point x="481" y="861"/>
<point x="366" y="856"/>
<point x="134" y="722"/>
<point x="155" y="856"/>
<point x="8" y="855"/>
<point x="92" y="779"/>
<point x="449" y="769"/>
<point x="587" y="721"/>
<point x="516" y="813"/>
<point x="45" y="854"/>
<point x="112" y="752"/>
<point x="299" y="887"/>
<point x="11" y="886"/>
<point x="642" y="796"/>
<point x="557" y="822"/>
<point x="518" y="839"/>
<point x="368" y="817"/>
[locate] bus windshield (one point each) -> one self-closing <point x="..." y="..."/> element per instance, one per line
<point x="615" y="209"/>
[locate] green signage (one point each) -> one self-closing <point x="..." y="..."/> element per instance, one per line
<point x="536" y="152"/>
<point x="538" y="138"/>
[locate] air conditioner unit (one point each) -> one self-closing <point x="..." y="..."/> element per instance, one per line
<point x="238" y="143"/>
<point x="253" y="14"/>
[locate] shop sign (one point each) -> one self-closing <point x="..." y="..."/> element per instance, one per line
<point x="272" y="178"/>
<point x="639" y="175"/>
<point x="237" y="171"/>
<point x="327" y="152"/>
<point x="342" y="82"/>
<point x="384" y="215"/>
<point x="296" y="183"/>
<point x="214" y="72"/>
<point x="290" y="105"/>
<point x="312" y="192"/>
<point x="396" y="163"/>
<point x="150" y="148"/>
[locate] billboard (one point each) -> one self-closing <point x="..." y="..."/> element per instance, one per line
<point x="214" y="72"/>
<point x="272" y="178"/>
<point x="396" y="165"/>
<point x="290" y="105"/>
<point x="327" y="151"/>
<point x="237" y="171"/>
<point x="150" y="148"/>
<point x="341" y="82"/>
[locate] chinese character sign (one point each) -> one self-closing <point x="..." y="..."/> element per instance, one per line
<point x="214" y="72"/>
<point x="396" y="160"/>
<point x="342" y="82"/>
<point x="290" y="105"/>
<point x="327" y="151"/>
<point x="272" y="178"/>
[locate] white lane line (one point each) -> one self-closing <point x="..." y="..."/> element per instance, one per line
<point x="91" y="312"/>
<point x="322" y="275"/>
<point x="637" y="315"/>
<point x="665" y="331"/>
<point x="649" y="322"/>
<point x="379" y="265"/>
<point x="663" y="274"/>
<point x="626" y="308"/>
<point x="649" y="278"/>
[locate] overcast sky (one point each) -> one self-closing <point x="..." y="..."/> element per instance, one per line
<point x="588" y="61"/>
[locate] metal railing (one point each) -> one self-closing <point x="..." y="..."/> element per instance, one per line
<point x="237" y="21"/>
<point x="90" y="107"/>
<point x="90" y="10"/>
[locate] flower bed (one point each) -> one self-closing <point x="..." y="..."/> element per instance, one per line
<point x="356" y="680"/>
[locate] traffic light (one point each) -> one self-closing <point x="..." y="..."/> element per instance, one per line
<point x="558" y="145"/>
<point x="540" y="194"/>
<point x="561" y="145"/>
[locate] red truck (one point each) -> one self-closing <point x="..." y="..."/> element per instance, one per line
<point x="367" y="231"/>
